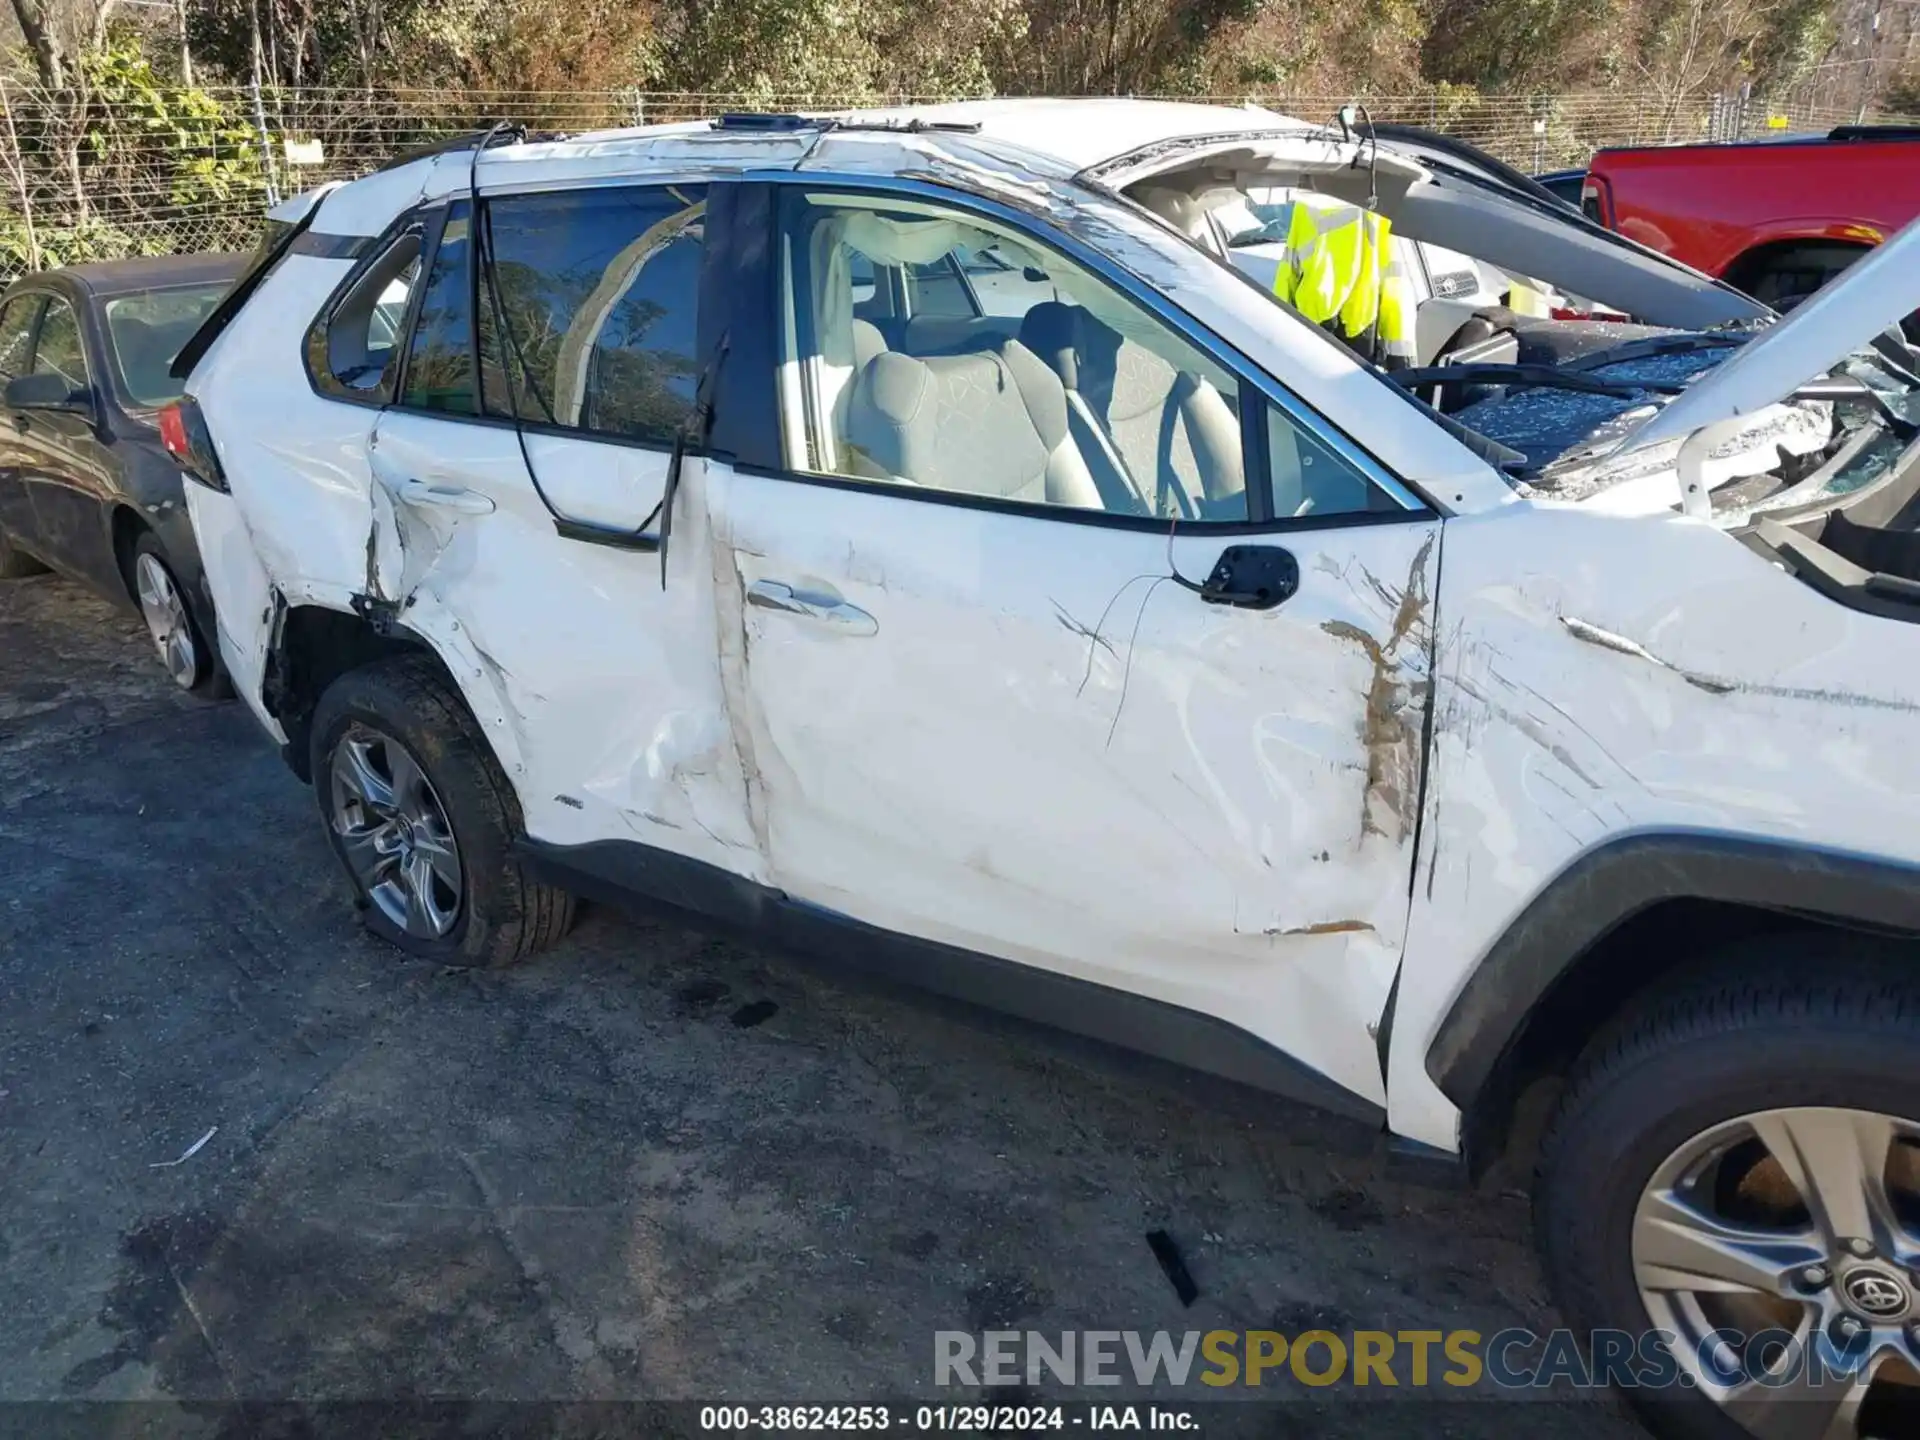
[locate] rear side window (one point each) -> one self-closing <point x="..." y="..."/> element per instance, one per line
<point x="598" y="290"/>
<point x="16" y="335"/>
<point x="354" y="348"/>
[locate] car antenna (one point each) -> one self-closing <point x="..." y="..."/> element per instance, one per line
<point x="1356" y="112"/>
<point x="697" y="427"/>
<point x="481" y="232"/>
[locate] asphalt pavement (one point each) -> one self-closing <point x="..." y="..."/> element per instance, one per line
<point x="651" y="1165"/>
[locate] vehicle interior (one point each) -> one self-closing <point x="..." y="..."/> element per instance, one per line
<point x="1487" y="263"/>
<point x="940" y="352"/>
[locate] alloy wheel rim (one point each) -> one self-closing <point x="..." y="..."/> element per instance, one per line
<point x="166" y="617"/>
<point x="394" y="833"/>
<point x="1781" y="1234"/>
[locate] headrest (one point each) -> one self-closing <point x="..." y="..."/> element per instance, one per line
<point x="867" y="342"/>
<point x="1177" y="208"/>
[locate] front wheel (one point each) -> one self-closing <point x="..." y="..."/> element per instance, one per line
<point x="1738" y="1166"/>
<point x="424" y="822"/>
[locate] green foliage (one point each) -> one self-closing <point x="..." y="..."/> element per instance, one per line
<point x="70" y="244"/>
<point x="181" y="142"/>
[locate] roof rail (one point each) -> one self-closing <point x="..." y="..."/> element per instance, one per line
<point x="755" y="120"/>
<point x="513" y="135"/>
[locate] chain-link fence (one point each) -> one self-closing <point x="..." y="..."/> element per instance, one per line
<point x="86" y="176"/>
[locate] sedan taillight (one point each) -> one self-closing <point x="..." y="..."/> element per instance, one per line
<point x="183" y="431"/>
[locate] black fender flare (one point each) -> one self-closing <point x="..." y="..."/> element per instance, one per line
<point x="1616" y="881"/>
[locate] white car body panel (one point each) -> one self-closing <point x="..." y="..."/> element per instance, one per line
<point x="242" y="595"/>
<point x="1209" y="806"/>
<point x="1041" y="751"/>
<point x="600" y="687"/>
<point x="1081" y="132"/>
<point x="1602" y="675"/>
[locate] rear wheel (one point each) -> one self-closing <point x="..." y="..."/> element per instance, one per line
<point x="16" y="564"/>
<point x="183" y="650"/>
<point x="424" y="822"/>
<point x="1739" y="1167"/>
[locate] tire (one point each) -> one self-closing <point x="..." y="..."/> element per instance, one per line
<point x="16" y="564"/>
<point x="190" y="662"/>
<point x="399" y="711"/>
<point x="1816" y="1019"/>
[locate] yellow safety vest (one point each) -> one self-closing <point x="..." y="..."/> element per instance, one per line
<point x="1340" y="271"/>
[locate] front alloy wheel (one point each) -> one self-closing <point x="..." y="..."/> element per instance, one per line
<point x="1793" y="1230"/>
<point x="394" y="834"/>
<point x="1734" y="1166"/>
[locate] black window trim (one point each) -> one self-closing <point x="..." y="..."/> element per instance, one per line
<point x="1254" y="399"/>
<point x="1076" y="515"/>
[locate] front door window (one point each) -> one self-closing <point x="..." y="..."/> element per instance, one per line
<point x="1016" y="374"/>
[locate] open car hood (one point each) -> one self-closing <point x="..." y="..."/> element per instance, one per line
<point x="1873" y="296"/>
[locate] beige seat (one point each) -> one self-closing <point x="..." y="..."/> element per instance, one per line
<point x="867" y="342"/>
<point x="989" y="422"/>
<point x="1170" y="429"/>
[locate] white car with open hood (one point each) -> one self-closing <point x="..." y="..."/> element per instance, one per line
<point x="921" y="536"/>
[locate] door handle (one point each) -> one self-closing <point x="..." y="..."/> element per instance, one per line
<point x="20" y="424"/>
<point x="829" y="609"/>
<point x="441" y="497"/>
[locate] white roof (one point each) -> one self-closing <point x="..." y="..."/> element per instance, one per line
<point x="1083" y="132"/>
<point x="1073" y="133"/>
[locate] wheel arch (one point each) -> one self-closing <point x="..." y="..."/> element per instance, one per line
<point x="310" y="647"/>
<point x="125" y="527"/>
<point x="1746" y="268"/>
<point x="1621" y="917"/>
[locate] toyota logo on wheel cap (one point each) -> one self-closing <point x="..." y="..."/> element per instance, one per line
<point x="1876" y="1293"/>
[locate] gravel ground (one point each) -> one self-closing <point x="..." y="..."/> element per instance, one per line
<point x="652" y="1165"/>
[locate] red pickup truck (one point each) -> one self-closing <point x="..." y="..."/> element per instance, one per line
<point x="1775" y="218"/>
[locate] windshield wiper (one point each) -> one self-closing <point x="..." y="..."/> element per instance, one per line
<point x="1546" y="376"/>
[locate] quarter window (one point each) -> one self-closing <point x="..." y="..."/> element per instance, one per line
<point x="353" y="351"/>
<point x="598" y="291"/>
<point x="59" y="351"/>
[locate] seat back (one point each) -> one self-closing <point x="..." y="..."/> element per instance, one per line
<point x="1170" y="428"/>
<point x="989" y="422"/>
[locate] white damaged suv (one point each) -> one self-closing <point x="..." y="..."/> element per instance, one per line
<point x="921" y="536"/>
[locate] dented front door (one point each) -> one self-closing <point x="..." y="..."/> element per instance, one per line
<point x="1014" y="733"/>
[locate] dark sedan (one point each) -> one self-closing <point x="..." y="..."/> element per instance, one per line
<point x="85" y="485"/>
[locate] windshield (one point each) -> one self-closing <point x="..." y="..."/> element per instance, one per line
<point x="147" y="330"/>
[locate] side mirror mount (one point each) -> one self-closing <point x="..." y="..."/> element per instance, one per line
<point x="42" y="391"/>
